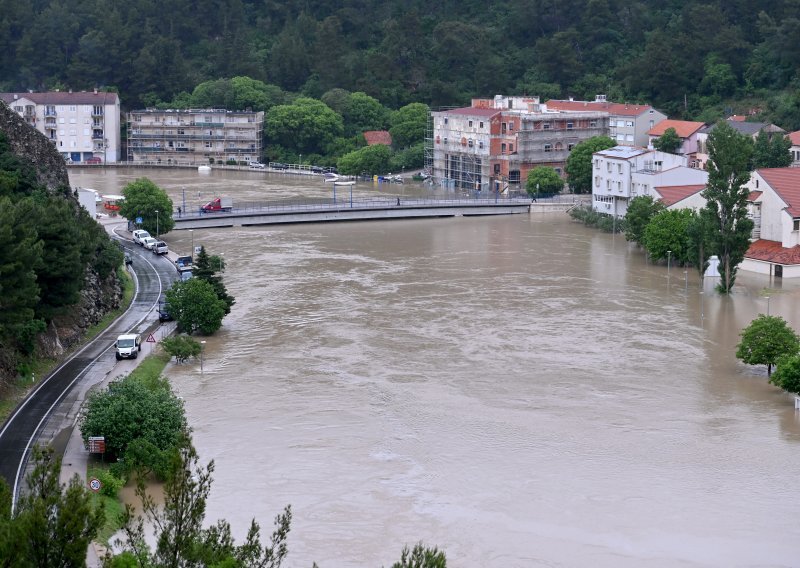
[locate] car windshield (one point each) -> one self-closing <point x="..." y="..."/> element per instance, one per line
<point x="125" y="343"/>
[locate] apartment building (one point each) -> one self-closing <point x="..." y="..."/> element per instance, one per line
<point x="497" y="141"/>
<point x="627" y="123"/>
<point x="83" y="126"/>
<point x="195" y="136"/>
<point x="621" y="173"/>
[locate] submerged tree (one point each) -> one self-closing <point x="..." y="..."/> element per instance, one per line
<point x="766" y="340"/>
<point x="640" y="211"/>
<point x="726" y="195"/>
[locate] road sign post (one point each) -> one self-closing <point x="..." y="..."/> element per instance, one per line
<point x="95" y="484"/>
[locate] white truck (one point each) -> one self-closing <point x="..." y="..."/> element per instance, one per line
<point x="128" y="346"/>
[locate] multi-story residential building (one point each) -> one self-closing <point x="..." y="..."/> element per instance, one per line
<point x="775" y="210"/>
<point x="497" y="141"/>
<point x="750" y="129"/>
<point x="83" y="126"/>
<point x="795" y="148"/>
<point x="628" y="123"/>
<point x="621" y="173"/>
<point x="687" y="131"/>
<point x="195" y="136"/>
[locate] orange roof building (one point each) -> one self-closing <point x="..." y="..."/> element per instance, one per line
<point x="374" y="137"/>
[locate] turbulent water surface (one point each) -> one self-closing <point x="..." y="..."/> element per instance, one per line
<point x="520" y="391"/>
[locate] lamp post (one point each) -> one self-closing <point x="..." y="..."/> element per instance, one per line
<point x="669" y="259"/>
<point x="202" y="348"/>
<point x="156" y="223"/>
<point x="191" y="232"/>
<point x="767" y="305"/>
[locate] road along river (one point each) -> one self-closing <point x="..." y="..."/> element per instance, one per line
<point x="520" y="391"/>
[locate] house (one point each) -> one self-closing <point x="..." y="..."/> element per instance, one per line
<point x="374" y="137"/>
<point x="795" y="148"/>
<point x="628" y="124"/>
<point x="194" y="136"/>
<point x="621" y="173"/>
<point x="83" y="126"/>
<point x="774" y="204"/>
<point x="498" y="141"/>
<point x="681" y="196"/>
<point x="686" y="130"/>
<point x="751" y="129"/>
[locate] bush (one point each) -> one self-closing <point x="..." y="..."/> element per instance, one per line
<point x="111" y="484"/>
<point x="601" y="221"/>
<point x="181" y="347"/>
<point x="230" y="162"/>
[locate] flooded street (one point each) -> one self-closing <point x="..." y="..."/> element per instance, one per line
<point x="519" y="391"/>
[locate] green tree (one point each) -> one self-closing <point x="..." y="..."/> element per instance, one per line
<point x="371" y="160"/>
<point x="697" y="234"/>
<point x="207" y="270"/>
<point x="787" y="373"/>
<point x="421" y="557"/>
<point x="306" y="126"/>
<point x="668" y="142"/>
<point x="181" y="347"/>
<point x="726" y="199"/>
<point x="408" y="125"/>
<point x="194" y="304"/>
<point x="766" y="340"/>
<point x="665" y="235"/>
<point x="771" y="151"/>
<point x="543" y="179"/>
<point x="180" y="537"/>
<point x="579" y="162"/>
<point x="54" y="523"/>
<point x="641" y="210"/>
<point x="142" y="199"/>
<point x="131" y="411"/>
<point x="364" y="113"/>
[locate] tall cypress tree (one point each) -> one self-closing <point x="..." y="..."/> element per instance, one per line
<point x="206" y="270"/>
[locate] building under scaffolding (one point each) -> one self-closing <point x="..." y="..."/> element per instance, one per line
<point x="496" y="142"/>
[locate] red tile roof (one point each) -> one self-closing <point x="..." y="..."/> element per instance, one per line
<point x="737" y="118"/>
<point x="672" y="194"/>
<point x="63" y="98"/>
<point x="753" y="195"/>
<point x="474" y="111"/>
<point x="617" y="109"/>
<point x="378" y="137"/>
<point x="772" y="251"/>
<point x="786" y="183"/>
<point x="684" y="128"/>
<point x="795" y="138"/>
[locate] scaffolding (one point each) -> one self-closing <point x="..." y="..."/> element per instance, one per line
<point x="462" y="165"/>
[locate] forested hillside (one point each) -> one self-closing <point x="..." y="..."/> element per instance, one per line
<point x="690" y="59"/>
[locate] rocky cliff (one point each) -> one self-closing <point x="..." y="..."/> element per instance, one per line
<point x="98" y="297"/>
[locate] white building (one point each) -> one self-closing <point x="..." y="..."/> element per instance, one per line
<point x="623" y="172"/>
<point x="775" y="210"/>
<point x="795" y="149"/>
<point x="84" y="126"/>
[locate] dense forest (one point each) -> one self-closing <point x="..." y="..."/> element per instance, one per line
<point x="690" y="59"/>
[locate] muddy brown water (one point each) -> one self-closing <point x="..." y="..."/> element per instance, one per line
<point x="520" y="391"/>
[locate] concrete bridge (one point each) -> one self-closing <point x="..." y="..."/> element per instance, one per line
<point x="346" y="209"/>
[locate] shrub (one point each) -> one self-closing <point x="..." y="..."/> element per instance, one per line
<point x="111" y="484"/>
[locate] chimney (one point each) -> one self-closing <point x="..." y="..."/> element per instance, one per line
<point x="16" y="96"/>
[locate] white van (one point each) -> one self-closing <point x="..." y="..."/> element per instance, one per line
<point x="139" y="235"/>
<point x="128" y="346"/>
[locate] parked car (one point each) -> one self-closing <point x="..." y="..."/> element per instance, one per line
<point x="278" y="166"/>
<point x="318" y="169"/>
<point x="128" y="259"/>
<point x="257" y="166"/>
<point x="93" y="160"/>
<point x="149" y="242"/>
<point x="139" y="235"/>
<point x="160" y="247"/>
<point x="128" y="346"/>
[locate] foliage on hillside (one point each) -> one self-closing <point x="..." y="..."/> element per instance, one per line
<point x="687" y="58"/>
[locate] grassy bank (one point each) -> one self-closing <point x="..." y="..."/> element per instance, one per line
<point x="41" y="367"/>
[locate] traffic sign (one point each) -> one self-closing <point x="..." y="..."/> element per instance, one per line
<point x="138" y="220"/>
<point x="97" y="444"/>
<point x="151" y="339"/>
<point x="95" y="485"/>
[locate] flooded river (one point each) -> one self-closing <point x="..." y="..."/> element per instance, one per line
<point x="520" y="391"/>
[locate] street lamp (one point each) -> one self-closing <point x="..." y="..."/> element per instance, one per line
<point x="767" y="305"/>
<point x="191" y="232"/>
<point x="202" y="347"/>
<point x="669" y="258"/>
<point x="156" y="223"/>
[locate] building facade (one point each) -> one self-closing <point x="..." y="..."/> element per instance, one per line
<point x="795" y="148"/>
<point x="688" y="131"/>
<point x="84" y="127"/>
<point x="496" y="142"/>
<point x="194" y="137"/>
<point x="621" y="173"/>
<point x="627" y="123"/>
<point x="751" y="129"/>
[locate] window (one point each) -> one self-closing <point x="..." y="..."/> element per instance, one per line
<point x="72" y="108"/>
<point x="597" y="164"/>
<point x="592" y="124"/>
<point x="470" y="124"/>
<point x="511" y="126"/>
<point x="470" y="142"/>
<point x="619" y="168"/>
<point x="797" y="224"/>
<point x="756" y="184"/>
<point x="18" y="108"/>
<point x="445" y="120"/>
<point x="444" y="141"/>
<point x="608" y="184"/>
<point x="497" y="168"/>
<point x="548" y="148"/>
<point x="620" y="138"/>
<point x="546" y="126"/>
<point x="620" y="124"/>
<point x="209" y="144"/>
<point x="629" y="137"/>
<point x="73" y="121"/>
<point x="570" y="125"/>
<point x="609" y="166"/>
<point x="480" y="125"/>
<point x="629" y="123"/>
<point x="511" y="148"/>
<point x="659" y="164"/>
<point x="181" y="131"/>
<point x="570" y="146"/>
<point x="480" y="144"/>
<point x="651" y="123"/>
<point x="502" y="148"/>
<point x="503" y="127"/>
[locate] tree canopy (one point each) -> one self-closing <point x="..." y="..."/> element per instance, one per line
<point x="543" y="179"/>
<point x="579" y="162"/>
<point x="766" y="340"/>
<point x="145" y="199"/>
<point x="195" y="305"/>
<point x="668" y="142"/>
<point x="641" y="210"/>
<point x="370" y="160"/>
<point x="771" y="151"/>
<point x="665" y="236"/>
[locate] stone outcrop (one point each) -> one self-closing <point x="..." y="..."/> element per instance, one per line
<point x="26" y="141"/>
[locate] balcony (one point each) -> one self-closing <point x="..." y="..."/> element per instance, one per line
<point x="97" y="112"/>
<point x="97" y="135"/>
